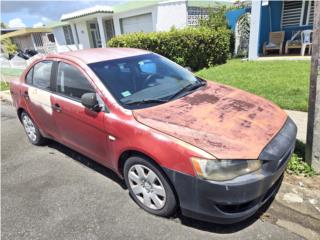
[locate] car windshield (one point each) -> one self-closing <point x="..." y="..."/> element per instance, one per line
<point x="145" y="80"/>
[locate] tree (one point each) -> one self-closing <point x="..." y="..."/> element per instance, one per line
<point x="6" y="44"/>
<point x="216" y="18"/>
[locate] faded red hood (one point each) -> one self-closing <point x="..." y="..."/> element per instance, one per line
<point x="224" y="121"/>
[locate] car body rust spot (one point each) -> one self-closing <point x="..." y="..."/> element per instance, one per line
<point x="201" y="98"/>
<point x="225" y="122"/>
<point x="237" y="105"/>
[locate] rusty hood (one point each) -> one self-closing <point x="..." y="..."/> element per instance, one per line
<point x="226" y="122"/>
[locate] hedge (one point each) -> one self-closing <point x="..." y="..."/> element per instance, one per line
<point x="196" y="48"/>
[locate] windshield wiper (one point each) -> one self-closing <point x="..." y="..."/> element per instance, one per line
<point x="145" y="101"/>
<point x="189" y="87"/>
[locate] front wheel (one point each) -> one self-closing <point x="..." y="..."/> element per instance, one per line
<point x="149" y="187"/>
<point x="32" y="130"/>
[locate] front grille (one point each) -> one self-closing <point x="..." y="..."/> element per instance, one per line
<point x="238" y="208"/>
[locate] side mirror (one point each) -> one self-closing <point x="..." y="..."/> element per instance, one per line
<point x="89" y="100"/>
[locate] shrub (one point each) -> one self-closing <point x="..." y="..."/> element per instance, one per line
<point x="196" y="48"/>
<point x="297" y="166"/>
<point x="8" y="47"/>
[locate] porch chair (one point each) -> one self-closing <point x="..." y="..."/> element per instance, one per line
<point x="306" y="39"/>
<point x="294" y="42"/>
<point x="275" y="42"/>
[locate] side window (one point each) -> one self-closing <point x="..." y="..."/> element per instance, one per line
<point x="71" y="82"/>
<point x="42" y="74"/>
<point x="29" y="76"/>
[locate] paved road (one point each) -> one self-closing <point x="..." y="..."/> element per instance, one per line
<point x="52" y="192"/>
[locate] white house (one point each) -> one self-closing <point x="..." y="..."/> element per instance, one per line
<point x="93" y="27"/>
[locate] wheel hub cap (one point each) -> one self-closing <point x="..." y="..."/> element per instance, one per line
<point x="30" y="128"/>
<point x="147" y="186"/>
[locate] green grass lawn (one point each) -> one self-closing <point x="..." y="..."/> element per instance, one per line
<point x="286" y="83"/>
<point x="6" y="74"/>
<point x="15" y="72"/>
<point x="4" y="86"/>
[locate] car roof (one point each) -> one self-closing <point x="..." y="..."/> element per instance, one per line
<point x="93" y="55"/>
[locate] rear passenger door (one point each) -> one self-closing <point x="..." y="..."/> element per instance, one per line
<point x="38" y="96"/>
<point x="79" y="127"/>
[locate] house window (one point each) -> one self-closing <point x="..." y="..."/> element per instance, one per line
<point x="109" y="29"/>
<point x="297" y="13"/>
<point x="195" y="14"/>
<point x="37" y="38"/>
<point x="51" y="37"/>
<point x="68" y="35"/>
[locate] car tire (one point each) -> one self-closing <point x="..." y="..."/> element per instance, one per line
<point x="31" y="129"/>
<point x="149" y="187"/>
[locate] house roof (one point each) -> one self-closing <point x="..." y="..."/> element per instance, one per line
<point x="24" y="31"/>
<point x="208" y="3"/>
<point x="57" y="24"/>
<point x="131" y="5"/>
<point x="86" y="11"/>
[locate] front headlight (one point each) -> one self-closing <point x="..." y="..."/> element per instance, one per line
<point x="222" y="170"/>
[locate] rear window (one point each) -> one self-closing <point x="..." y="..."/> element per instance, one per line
<point x="42" y="74"/>
<point x="71" y="82"/>
<point x="29" y="76"/>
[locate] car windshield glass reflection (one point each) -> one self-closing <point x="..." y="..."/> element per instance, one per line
<point x="145" y="80"/>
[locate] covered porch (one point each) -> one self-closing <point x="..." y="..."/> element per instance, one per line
<point x="39" y="39"/>
<point x="89" y="28"/>
<point x="281" y="29"/>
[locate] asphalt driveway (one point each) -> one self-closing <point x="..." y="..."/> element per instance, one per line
<point x="52" y="192"/>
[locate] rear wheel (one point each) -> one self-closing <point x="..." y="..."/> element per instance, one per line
<point x="32" y="130"/>
<point x="149" y="187"/>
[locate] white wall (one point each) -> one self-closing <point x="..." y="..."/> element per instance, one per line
<point x="164" y="15"/>
<point x="136" y="12"/>
<point x="83" y="34"/>
<point x="59" y="36"/>
<point x="254" y="29"/>
<point x="171" y="13"/>
<point x="61" y="41"/>
<point x="24" y="42"/>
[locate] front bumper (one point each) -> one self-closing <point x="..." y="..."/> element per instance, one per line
<point x="237" y="199"/>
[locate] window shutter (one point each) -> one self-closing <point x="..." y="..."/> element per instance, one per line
<point x="311" y="13"/>
<point x="291" y="13"/>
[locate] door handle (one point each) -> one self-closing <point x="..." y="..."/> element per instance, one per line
<point x="56" y="107"/>
<point x="26" y="95"/>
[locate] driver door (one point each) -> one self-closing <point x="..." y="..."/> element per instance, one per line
<point x="79" y="127"/>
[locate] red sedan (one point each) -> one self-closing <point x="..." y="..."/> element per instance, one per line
<point x="214" y="152"/>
